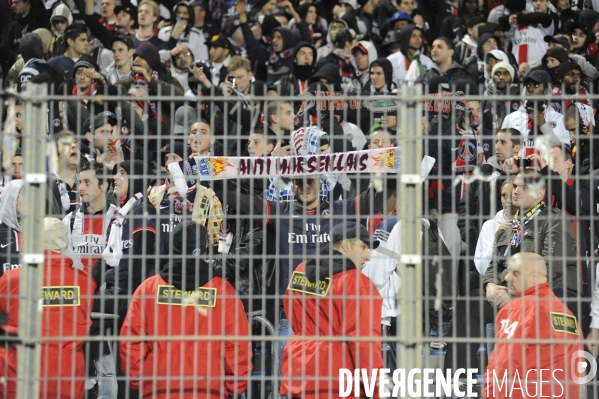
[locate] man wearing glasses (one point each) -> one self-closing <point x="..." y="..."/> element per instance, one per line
<point x="537" y="117"/>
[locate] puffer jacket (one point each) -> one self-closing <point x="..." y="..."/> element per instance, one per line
<point x="549" y="234"/>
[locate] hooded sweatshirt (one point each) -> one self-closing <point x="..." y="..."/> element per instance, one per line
<point x="402" y="60"/>
<point x="10" y="228"/>
<point x="388" y="70"/>
<point x="281" y="63"/>
<point x="61" y="11"/>
<point x="191" y="37"/>
<point x="328" y="47"/>
<point x="331" y="73"/>
<point x="364" y="76"/>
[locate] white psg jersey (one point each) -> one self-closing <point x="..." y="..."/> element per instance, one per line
<point x="529" y="43"/>
<point x="520" y="120"/>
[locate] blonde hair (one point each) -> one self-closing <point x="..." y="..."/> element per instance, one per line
<point x="238" y="62"/>
<point x="153" y="5"/>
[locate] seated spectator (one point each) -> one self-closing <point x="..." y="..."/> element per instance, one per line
<point x="65" y="308"/>
<point x="219" y="313"/>
<point x="410" y="41"/>
<point x="76" y="40"/>
<point x="182" y="32"/>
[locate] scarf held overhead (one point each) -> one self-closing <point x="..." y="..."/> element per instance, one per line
<point x="220" y="168"/>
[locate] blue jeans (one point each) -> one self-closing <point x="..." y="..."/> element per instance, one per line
<point x="285" y="330"/>
<point x="434" y="332"/>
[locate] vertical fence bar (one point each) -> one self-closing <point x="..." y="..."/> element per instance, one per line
<point x="410" y="211"/>
<point x="34" y="200"/>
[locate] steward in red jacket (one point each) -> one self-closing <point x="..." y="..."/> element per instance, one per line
<point x="166" y="367"/>
<point x="533" y="369"/>
<point x="329" y="297"/>
<point x="67" y="295"/>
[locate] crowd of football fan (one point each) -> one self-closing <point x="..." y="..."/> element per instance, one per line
<point x="132" y="246"/>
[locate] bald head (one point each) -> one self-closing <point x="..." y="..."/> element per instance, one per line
<point x="525" y="270"/>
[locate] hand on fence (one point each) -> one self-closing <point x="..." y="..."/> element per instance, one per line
<point x="593" y="342"/>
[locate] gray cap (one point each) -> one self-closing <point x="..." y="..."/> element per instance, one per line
<point x="185" y="116"/>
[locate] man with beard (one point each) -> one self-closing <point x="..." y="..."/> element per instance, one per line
<point x="569" y="77"/>
<point x="304" y="58"/>
<point x="220" y="55"/>
<point x="183" y="58"/>
<point x="410" y="41"/>
<point x="495" y="111"/>
<point x="364" y="53"/>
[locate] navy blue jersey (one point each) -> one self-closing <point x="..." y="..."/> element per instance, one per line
<point x="302" y="234"/>
<point x="172" y="210"/>
<point x="141" y="217"/>
<point x="33" y="67"/>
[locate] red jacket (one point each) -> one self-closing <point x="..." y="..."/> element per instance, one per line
<point x="349" y="306"/>
<point x="62" y="363"/>
<point x="169" y="368"/>
<point x="536" y="315"/>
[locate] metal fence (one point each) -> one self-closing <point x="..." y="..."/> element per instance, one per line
<point x="274" y="293"/>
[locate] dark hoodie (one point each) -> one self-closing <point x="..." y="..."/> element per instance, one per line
<point x="32" y="51"/>
<point x="280" y="64"/>
<point x="483" y="38"/>
<point x="186" y="271"/>
<point x="315" y="30"/>
<point x="137" y="184"/>
<point x="387" y="69"/>
<point x="330" y="263"/>
<point x="331" y="73"/>
<point x="404" y="38"/>
<point x="148" y="52"/>
<point x="303" y="72"/>
<point x="559" y="54"/>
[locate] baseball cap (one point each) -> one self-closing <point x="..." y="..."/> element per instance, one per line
<point x="121" y="38"/>
<point x="190" y="238"/>
<point x="349" y="230"/>
<point x="185" y="116"/>
<point x="99" y="120"/>
<point x="199" y="3"/>
<point x="132" y="11"/>
<point x="219" y="41"/>
<point x="85" y="61"/>
<point x="538" y="76"/>
<point x="176" y="148"/>
<point x="359" y="47"/>
<point x="400" y="16"/>
<point x="559" y="39"/>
